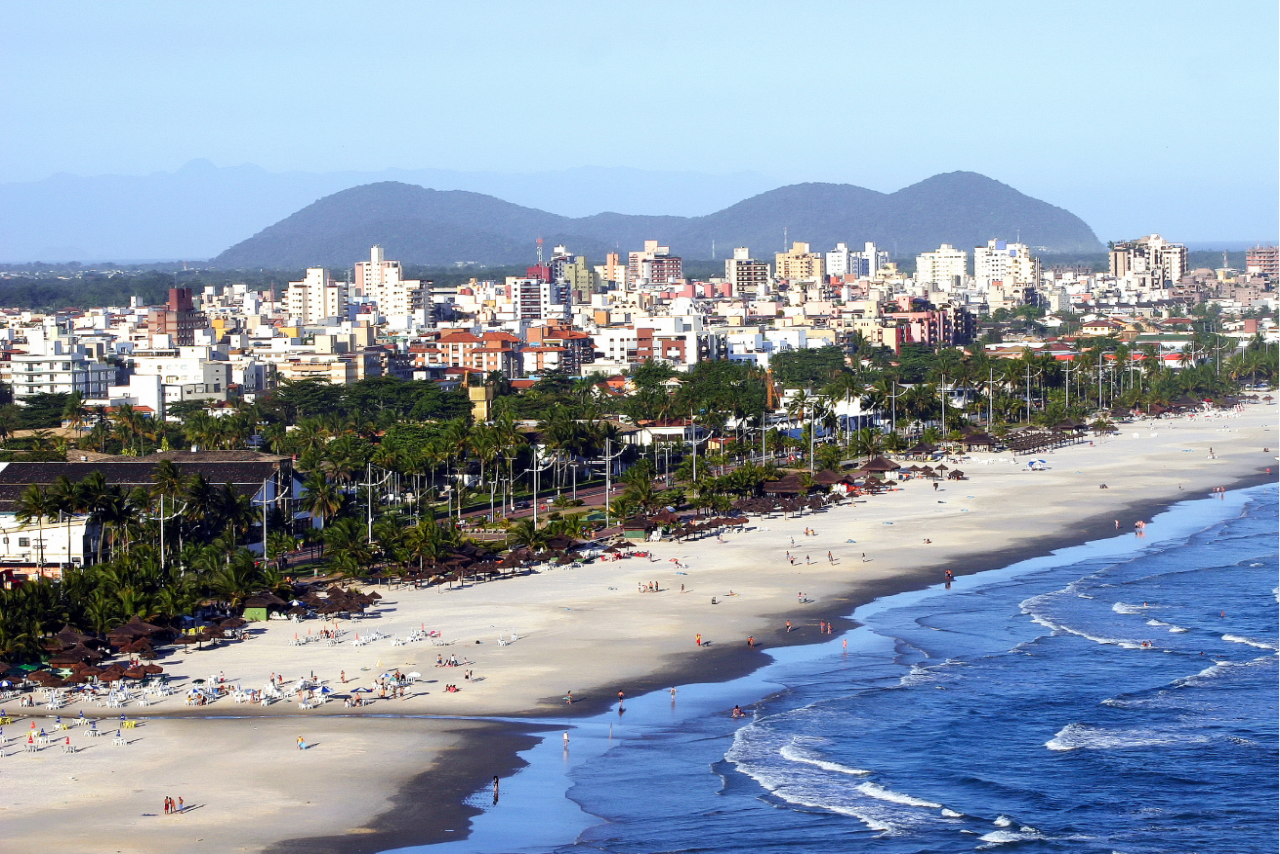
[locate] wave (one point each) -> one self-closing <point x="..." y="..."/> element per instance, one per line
<point x="880" y="793"/>
<point x="1125" y="608"/>
<point x="1084" y="737"/>
<point x="1003" y="821"/>
<point x="1250" y="641"/>
<point x="946" y="813"/>
<point x="796" y="754"/>
<point x="1176" y="630"/>
<point x="1001" y="837"/>
<point x="1061" y="629"/>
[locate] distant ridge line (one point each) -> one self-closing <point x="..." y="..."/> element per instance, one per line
<point x="418" y="225"/>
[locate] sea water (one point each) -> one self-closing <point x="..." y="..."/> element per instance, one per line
<point x="1119" y="696"/>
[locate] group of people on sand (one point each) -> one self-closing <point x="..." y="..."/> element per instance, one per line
<point x="651" y="587"/>
<point x="173" y="807"/>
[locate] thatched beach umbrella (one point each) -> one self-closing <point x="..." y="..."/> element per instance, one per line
<point x="879" y="464"/>
<point x="45" y="678"/>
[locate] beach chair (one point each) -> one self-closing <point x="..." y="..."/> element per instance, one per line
<point x="119" y="741"/>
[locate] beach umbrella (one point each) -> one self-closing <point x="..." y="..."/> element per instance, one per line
<point x="233" y="623"/>
<point x="45" y="678"/>
<point x="152" y="669"/>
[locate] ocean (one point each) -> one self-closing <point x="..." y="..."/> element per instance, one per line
<point x="1118" y="696"/>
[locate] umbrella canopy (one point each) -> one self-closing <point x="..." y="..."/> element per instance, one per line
<point x="152" y="669"/>
<point x="46" y="678"/>
<point x="879" y="464"/>
<point x="233" y="623"/>
<point x="136" y="627"/>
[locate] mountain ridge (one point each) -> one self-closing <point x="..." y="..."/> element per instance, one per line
<point x="419" y="225"/>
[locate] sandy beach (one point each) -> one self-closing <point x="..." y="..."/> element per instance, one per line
<point x="586" y="630"/>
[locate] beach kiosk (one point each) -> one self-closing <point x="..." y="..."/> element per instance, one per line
<point x="257" y="608"/>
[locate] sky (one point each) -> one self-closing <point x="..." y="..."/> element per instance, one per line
<point x="1137" y="116"/>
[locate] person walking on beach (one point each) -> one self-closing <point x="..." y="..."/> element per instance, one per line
<point x="302" y="744"/>
<point x="788" y="626"/>
<point x="698" y="639"/>
<point x="181" y="806"/>
<point x="569" y="699"/>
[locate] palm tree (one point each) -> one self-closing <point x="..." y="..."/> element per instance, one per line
<point x="349" y="552"/>
<point x="320" y="498"/>
<point x="523" y="533"/>
<point x="75" y="413"/>
<point x="36" y="504"/>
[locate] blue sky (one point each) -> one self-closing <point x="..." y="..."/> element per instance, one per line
<point x="1138" y="116"/>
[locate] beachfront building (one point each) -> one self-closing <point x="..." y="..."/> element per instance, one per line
<point x="57" y="366"/>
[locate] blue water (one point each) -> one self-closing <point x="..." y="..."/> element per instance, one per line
<point x="1021" y="710"/>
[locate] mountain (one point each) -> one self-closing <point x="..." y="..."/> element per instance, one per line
<point x="440" y="227"/>
<point x="198" y="210"/>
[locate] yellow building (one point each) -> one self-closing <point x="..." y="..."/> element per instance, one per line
<point x="798" y="264"/>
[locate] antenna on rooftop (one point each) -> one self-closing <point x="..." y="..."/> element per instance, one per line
<point x="713" y="250"/>
<point x="539" y="251"/>
<point x="784" y="238"/>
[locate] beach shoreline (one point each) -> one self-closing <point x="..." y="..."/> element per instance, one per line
<point x="423" y="807"/>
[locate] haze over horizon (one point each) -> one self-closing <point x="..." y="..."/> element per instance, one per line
<point x="1179" y="140"/>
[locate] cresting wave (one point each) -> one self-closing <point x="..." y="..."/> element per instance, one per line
<point x="798" y="754"/>
<point x="1250" y="641"/>
<point x="1218" y="670"/>
<point x="880" y="793"/>
<point x="1084" y="737"/>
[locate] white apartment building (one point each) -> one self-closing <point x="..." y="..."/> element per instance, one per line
<point x="534" y="299"/>
<point x="57" y="367"/>
<point x="185" y="373"/>
<point x="382" y="282"/>
<point x="1150" y="254"/>
<point x="944" y="268"/>
<point x="316" y="297"/>
<point x="842" y="261"/>
<point x="1009" y="264"/>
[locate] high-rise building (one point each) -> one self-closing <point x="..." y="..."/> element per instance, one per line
<point x="746" y="277"/>
<point x="1263" y="259"/>
<point x="798" y="264"/>
<point x="655" y="264"/>
<point x="1010" y="264"/>
<point x="842" y="261"/>
<point x="613" y="270"/>
<point x="944" y="268"/>
<point x="178" y="319"/>
<point x="534" y="299"/>
<point x="1151" y="254"/>
<point x="382" y="281"/>
<point x="575" y="273"/>
<point x="316" y="297"/>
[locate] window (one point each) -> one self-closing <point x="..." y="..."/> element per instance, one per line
<point x="24" y="542"/>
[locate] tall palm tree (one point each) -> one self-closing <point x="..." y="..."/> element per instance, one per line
<point x="36" y="504"/>
<point x="320" y="497"/>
